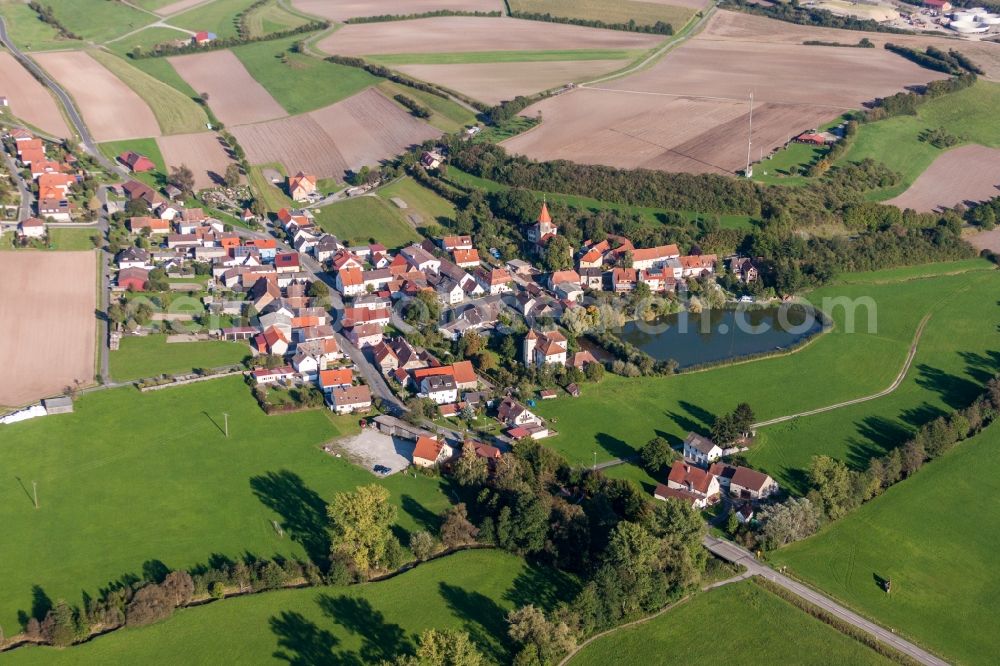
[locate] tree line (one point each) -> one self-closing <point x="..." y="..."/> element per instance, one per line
<point x="386" y="73"/>
<point x="657" y="28"/>
<point x="165" y="49"/>
<point x="46" y="15"/>
<point x="385" y="18"/>
<point x="951" y="62"/>
<point x="417" y="109"/>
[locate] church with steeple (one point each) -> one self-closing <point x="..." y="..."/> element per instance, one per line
<point x="543" y="230"/>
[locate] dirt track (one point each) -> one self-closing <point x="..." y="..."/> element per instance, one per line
<point x="47" y="302"/>
<point x="110" y="108"/>
<point x="345" y="9"/>
<point x="963" y="175"/>
<point x="497" y="81"/>
<point x="202" y="153"/>
<point x="458" y="34"/>
<point x="234" y="95"/>
<point x="29" y="100"/>
<point x="355" y="132"/>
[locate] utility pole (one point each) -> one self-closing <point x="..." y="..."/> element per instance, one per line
<point x="595" y="461"/>
<point x="34" y="489"/>
<point x="226" y="417"/>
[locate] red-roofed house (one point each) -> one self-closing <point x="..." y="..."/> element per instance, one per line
<point x="272" y="375"/>
<point x="300" y="186"/>
<point x="335" y="378"/>
<point x="695" y="265"/>
<point x="133" y="279"/>
<point x="154" y="224"/>
<point x="429" y="451"/>
<point x="653" y="257"/>
<point x="544" y="347"/>
<point x="694" y="481"/>
<point x="271" y="341"/>
<point x="202" y="37"/>
<point x="286" y="262"/>
<point x="466" y="258"/>
<point x="135" y="162"/>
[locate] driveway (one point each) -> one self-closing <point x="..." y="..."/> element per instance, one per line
<point x="371" y="447"/>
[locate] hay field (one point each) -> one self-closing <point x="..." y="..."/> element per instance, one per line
<point x="966" y="174"/>
<point x="234" y="95"/>
<point x="178" y="6"/>
<point x="688" y="112"/>
<point x="461" y="34"/>
<point x="111" y="109"/>
<point x="47" y="302"/>
<point x="202" y="153"/>
<point x="358" y="131"/>
<point x="496" y="81"/>
<point x="337" y="10"/>
<point x="30" y="100"/>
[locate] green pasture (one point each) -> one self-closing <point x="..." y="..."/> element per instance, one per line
<point x="430" y="206"/>
<point x="274" y="198"/>
<point x="356" y="220"/>
<point x="28" y="32"/>
<point x="99" y="20"/>
<point x="151" y="355"/>
<point x="218" y="16"/>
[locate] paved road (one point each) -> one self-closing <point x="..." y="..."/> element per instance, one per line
<point x="24" y="211"/>
<point x="733" y="553"/>
<point x="881" y="394"/>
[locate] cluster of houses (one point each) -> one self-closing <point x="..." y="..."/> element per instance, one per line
<point x="53" y="180"/>
<point x="701" y="478"/>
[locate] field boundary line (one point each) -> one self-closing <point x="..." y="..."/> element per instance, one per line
<point x="724" y="99"/>
<point x="881" y="394"/>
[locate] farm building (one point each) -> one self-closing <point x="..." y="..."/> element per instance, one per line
<point x="60" y="405"/>
<point x="300" y="186"/>
<point x="133" y="279"/>
<point x="31" y="228"/>
<point x="135" y="162"/>
<point x="203" y="37"/>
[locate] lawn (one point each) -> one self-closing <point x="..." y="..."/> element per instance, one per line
<point x="130" y="478"/>
<point x="471" y="591"/>
<point x="755" y="624"/>
<point x="969" y="114"/>
<point x="149" y="356"/>
<point x="466" y="57"/>
<point x="219" y="16"/>
<point x="356" y="220"/>
<point x="446" y="115"/>
<point x="954" y="359"/>
<point x="69" y="239"/>
<point x="147" y="147"/>
<point x="619" y="415"/>
<point x="28" y="32"/>
<point x="617" y="11"/>
<point x="99" y="20"/>
<point x="776" y="170"/>
<point x="175" y="112"/>
<point x="935" y="537"/>
<point x="146" y="39"/>
<point x="298" y="82"/>
<point x="272" y="18"/>
<point x="273" y="197"/>
<point x="426" y="203"/>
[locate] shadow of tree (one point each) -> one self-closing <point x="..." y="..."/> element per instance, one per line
<point x="542" y="586"/>
<point x="618" y="448"/>
<point x="303" y="643"/>
<point x="484" y="619"/>
<point x="955" y="391"/>
<point x="704" y="417"/>
<point x="425" y="518"/>
<point x="381" y="641"/>
<point x="981" y="367"/>
<point x="686" y="423"/>
<point x="302" y="510"/>
<point x="155" y="571"/>
<point x="41" y="604"/>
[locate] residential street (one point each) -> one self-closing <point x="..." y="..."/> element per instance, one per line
<point x="27" y="199"/>
<point x="733" y="553"/>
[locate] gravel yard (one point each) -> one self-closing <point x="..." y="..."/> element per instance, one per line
<point x="371" y="447"/>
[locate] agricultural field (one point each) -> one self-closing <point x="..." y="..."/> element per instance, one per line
<point x="175" y="112"/>
<point x="111" y="109"/>
<point x="273" y="197"/>
<point x="470" y="591"/>
<point x="29" y="33"/>
<point x="233" y="94"/>
<point x="965" y="175"/>
<point x="203" y="153"/>
<point x="952" y="364"/>
<point x="431" y="207"/>
<point x="446" y="115"/>
<point x="470" y="34"/>
<point x="689" y="111"/>
<point x="151" y="356"/>
<point x="494" y="82"/>
<point x="270" y="18"/>
<point x="189" y="493"/>
<point x="300" y="83"/>
<point x="29" y="100"/>
<point x="144" y="40"/>
<point x="47" y="302"/>
<point x="757" y="624"/>
<point x="643" y="12"/>
<point x="934" y="536"/>
<point x="170" y="7"/>
<point x="835" y="367"/>
<point x="218" y="16"/>
<point x="356" y="220"/>
<point x="99" y="20"/>
<point x="359" y="131"/>
<point x="339" y="11"/>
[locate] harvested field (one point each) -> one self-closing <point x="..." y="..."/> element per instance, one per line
<point x="178" y="6"/>
<point x="234" y="95"/>
<point x="618" y="11"/>
<point x="359" y="131"/>
<point x="202" y="153"/>
<point x="340" y="10"/>
<point x="963" y="175"/>
<point x="689" y="111"/>
<point x="111" y="109"/>
<point x="986" y="240"/>
<point x="461" y="34"/>
<point x="30" y="100"/>
<point x="496" y="81"/>
<point x="737" y="26"/>
<point x="47" y="302"/>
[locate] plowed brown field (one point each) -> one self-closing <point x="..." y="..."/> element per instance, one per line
<point x="460" y="34"/>
<point x="110" y="108"/>
<point x="358" y="131"/>
<point x="29" y="100"/>
<point x="47" y="302"/>
<point x="338" y="10"/>
<point x="202" y="153"/>
<point x="234" y="95"/>
<point x="963" y="175"/>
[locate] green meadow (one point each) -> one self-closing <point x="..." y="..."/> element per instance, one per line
<point x="28" y="32"/>
<point x="430" y="206"/>
<point x="470" y="591"/>
<point x="740" y="617"/>
<point x="150" y="356"/>
<point x="356" y="220"/>
<point x="133" y="478"/>
<point x="148" y="147"/>
<point x="99" y="20"/>
<point x="935" y="537"/>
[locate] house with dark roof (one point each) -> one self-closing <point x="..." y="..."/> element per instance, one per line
<point x="135" y="162"/>
<point x="750" y="484"/>
<point x="701" y="450"/>
<point x="691" y="484"/>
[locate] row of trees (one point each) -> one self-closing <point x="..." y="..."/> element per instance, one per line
<point x="417" y="109"/>
<point x="951" y="62"/>
<point x="46" y="15"/>
<point x="172" y="49"/>
<point x="385" y="18"/>
<point x="657" y="28"/>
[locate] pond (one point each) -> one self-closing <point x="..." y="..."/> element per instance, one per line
<point x="719" y="335"/>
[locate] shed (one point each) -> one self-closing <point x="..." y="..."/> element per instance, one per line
<point x="61" y="405"/>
